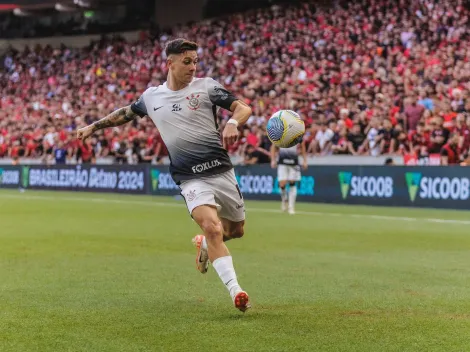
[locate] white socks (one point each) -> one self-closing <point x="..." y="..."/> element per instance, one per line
<point x="292" y="196"/>
<point x="204" y="243"/>
<point x="224" y="267"/>
<point x="283" y="195"/>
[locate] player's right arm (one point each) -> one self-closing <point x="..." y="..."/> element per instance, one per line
<point x="273" y="156"/>
<point x="116" y="118"/>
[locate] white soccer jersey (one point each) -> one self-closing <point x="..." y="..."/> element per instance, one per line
<point x="187" y="121"/>
<point x="288" y="156"/>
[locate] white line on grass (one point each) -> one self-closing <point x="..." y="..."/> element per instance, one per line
<point x="260" y="210"/>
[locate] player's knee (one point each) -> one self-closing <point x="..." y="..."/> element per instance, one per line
<point x="212" y="229"/>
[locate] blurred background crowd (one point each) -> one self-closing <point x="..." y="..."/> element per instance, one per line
<point x="371" y="77"/>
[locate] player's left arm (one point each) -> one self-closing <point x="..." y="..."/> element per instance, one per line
<point x="220" y="96"/>
<point x="303" y="151"/>
<point x="273" y="156"/>
<point x="241" y="113"/>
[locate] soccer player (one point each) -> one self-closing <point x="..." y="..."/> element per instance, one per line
<point x="288" y="171"/>
<point x="184" y="109"/>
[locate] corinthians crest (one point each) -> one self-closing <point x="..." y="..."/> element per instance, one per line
<point x="194" y="102"/>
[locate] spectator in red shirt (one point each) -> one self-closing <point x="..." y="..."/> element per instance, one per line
<point x="160" y="148"/>
<point x="403" y="145"/>
<point x="439" y="135"/>
<point x="4" y="148"/>
<point x="388" y="137"/>
<point x="450" y="154"/>
<point x="419" y="138"/>
<point x="86" y="153"/>
<point x="253" y="138"/>
<point x="462" y="129"/>
<point x="413" y="113"/>
<point x="340" y="146"/>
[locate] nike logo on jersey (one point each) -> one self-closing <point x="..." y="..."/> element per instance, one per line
<point x="155" y="109"/>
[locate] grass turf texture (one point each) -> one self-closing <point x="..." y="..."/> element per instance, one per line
<point x="93" y="272"/>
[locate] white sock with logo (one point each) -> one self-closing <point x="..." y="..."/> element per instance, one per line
<point x="292" y="196"/>
<point x="226" y="271"/>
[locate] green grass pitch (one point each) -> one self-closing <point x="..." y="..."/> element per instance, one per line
<point x="94" y="272"/>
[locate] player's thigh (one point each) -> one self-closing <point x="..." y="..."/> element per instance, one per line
<point x="294" y="174"/>
<point x="282" y="173"/>
<point x="229" y="197"/>
<point x="233" y="229"/>
<point x="198" y="193"/>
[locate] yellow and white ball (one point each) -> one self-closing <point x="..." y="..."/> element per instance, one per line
<point x="285" y="128"/>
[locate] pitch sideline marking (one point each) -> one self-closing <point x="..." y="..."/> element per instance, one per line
<point x="260" y="210"/>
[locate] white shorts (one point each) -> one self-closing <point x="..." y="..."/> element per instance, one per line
<point x="220" y="191"/>
<point x="288" y="172"/>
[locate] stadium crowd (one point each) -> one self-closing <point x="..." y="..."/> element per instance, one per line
<point x="377" y="77"/>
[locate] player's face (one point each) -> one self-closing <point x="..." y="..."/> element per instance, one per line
<point x="183" y="66"/>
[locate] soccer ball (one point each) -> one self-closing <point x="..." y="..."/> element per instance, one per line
<point x="285" y="128"/>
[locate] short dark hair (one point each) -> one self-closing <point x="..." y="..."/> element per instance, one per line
<point x="179" y="46"/>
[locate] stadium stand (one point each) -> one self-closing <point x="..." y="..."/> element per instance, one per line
<point x="370" y="78"/>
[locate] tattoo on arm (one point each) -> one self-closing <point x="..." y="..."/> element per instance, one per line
<point x="116" y="118"/>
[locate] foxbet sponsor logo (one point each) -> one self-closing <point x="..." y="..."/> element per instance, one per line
<point x="206" y="166"/>
<point x="365" y="186"/>
<point x="437" y="188"/>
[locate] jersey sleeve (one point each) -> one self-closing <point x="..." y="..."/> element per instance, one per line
<point x="138" y="107"/>
<point x="218" y="95"/>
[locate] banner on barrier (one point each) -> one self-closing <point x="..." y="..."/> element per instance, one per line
<point x="437" y="187"/>
<point x="255" y="182"/>
<point x="161" y="182"/>
<point x="440" y="187"/>
<point x="118" y="179"/>
<point x="9" y="177"/>
<point x="431" y="188"/>
<point x="413" y="160"/>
